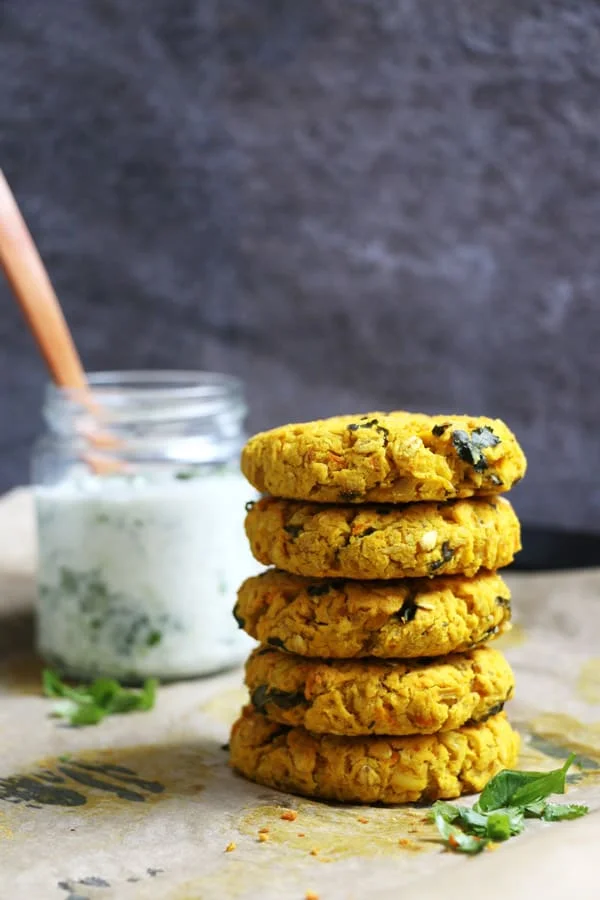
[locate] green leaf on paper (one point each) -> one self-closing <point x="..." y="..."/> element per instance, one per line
<point x="88" y="704"/>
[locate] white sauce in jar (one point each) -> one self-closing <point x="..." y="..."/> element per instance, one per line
<point x="138" y="574"/>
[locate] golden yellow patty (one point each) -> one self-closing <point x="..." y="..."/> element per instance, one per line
<point x="353" y="697"/>
<point x="364" y="542"/>
<point x="395" y="457"/>
<point x="372" y="769"/>
<point x="342" y="619"/>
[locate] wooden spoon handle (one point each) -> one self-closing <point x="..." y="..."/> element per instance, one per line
<point x="29" y="280"/>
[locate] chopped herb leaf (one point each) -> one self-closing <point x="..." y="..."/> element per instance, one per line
<point x="354" y="426"/>
<point x="262" y="696"/>
<point x="470" y="447"/>
<point x="241" y="622"/>
<point x="455" y="838"/>
<point x="503" y="601"/>
<point x="185" y="475"/>
<point x="293" y="530"/>
<point x="556" y="812"/>
<point x="438" y="430"/>
<point x="385" y="432"/>
<point x="408" y="610"/>
<point x="276" y="642"/>
<point x="349" y="496"/>
<point x="154" y="638"/>
<point x="447" y="554"/>
<point x="88" y="704"/>
<point x="492" y="711"/>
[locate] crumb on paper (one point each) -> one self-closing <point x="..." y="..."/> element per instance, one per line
<point x="362" y="820"/>
<point x="230" y="846"/>
<point x="301" y="834"/>
<point x="264" y="830"/>
<point x="310" y="895"/>
<point x="263" y="837"/>
<point x="290" y="815"/>
<point x="315" y="851"/>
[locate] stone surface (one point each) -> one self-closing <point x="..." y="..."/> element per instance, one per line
<point x="350" y="204"/>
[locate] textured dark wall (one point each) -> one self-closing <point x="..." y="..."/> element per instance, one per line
<point x="350" y="204"/>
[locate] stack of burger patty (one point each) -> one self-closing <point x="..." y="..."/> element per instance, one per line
<point x="376" y="679"/>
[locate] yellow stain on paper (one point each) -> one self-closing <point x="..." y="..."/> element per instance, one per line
<point x="335" y="832"/>
<point x="568" y="732"/>
<point x="6" y="832"/>
<point x="588" y="683"/>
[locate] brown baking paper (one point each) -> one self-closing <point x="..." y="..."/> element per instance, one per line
<point x="144" y="805"/>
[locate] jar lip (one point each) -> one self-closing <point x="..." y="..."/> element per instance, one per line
<point x="149" y="386"/>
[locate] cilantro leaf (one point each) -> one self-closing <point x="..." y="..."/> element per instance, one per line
<point x="555" y="812"/>
<point x="89" y="704"/>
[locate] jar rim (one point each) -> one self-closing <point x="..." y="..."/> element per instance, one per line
<point x="150" y="385"/>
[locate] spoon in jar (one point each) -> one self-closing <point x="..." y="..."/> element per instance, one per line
<point x="29" y="280"/>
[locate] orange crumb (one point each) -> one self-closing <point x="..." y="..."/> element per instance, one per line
<point x="290" y="815"/>
<point x="315" y="851"/>
<point x="263" y="837"/>
<point x="362" y="820"/>
<point x="301" y="834"/>
<point x="405" y="842"/>
<point x="264" y="830"/>
<point x="310" y="895"/>
<point x="231" y="846"/>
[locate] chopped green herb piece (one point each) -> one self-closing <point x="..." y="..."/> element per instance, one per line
<point x="556" y="812"/>
<point x="262" y="696"/>
<point x="408" y="610"/>
<point x="276" y="642"/>
<point x="457" y="839"/>
<point x="470" y="447"/>
<point x="349" y="496"/>
<point x="239" y="619"/>
<point x="154" y="638"/>
<point x="509" y="798"/>
<point x="498" y="826"/>
<point x="89" y="704"/>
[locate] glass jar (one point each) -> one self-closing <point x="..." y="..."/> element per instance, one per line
<point x="140" y="508"/>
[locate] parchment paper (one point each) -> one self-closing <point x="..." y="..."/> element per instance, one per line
<point x="144" y="806"/>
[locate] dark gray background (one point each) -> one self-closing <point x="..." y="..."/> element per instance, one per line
<point x="351" y="204"/>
